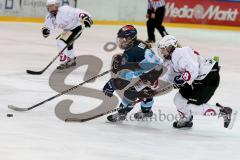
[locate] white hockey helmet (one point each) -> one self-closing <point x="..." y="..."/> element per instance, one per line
<point x="167" y="45"/>
<point x="52" y="2"/>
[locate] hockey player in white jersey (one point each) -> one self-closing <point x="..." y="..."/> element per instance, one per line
<point x="70" y="20"/>
<point x="197" y="79"/>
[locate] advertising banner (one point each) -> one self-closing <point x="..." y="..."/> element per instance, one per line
<point x="214" y="12"/>
<point x="28" y="8"/>
<point x="9" y="7"/>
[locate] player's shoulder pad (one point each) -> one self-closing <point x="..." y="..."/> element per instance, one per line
<point x="64" y="8"/>
<point x="177" y="54"/>
<point x="151" y="57"/>
<point x="136" y="48"/>
<point x="187" y="48"/>
<point x="181" y="53"/>
<point x="141" y="45"/>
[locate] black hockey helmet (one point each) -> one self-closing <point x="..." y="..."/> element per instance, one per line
<point x="126" y="36"/>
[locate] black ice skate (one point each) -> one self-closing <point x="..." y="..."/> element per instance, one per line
<point x="228" y="114"/>
<point x="141" y="114"/>
<point x="68" y="64"/>
<point x="183" y="123"/>
<point x="117" y="117"/>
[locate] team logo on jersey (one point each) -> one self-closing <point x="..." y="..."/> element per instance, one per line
<point x="210" y="112"/>
<point x="186" y="76"/>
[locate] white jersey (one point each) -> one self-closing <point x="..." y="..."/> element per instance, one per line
<point x="190" y="64"/>
<point x="67" y="18"/>
<point x="170" y="74"/>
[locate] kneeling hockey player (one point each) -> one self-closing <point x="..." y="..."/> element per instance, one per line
<point x="197" y="80"/>
<point x="140" y="61"/>
<point x="70" y="21"/>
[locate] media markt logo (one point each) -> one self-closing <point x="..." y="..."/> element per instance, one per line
<point x="213" y="12"/>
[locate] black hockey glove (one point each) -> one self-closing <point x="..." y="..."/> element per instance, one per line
<point x="146" y="93"/>
<point x="109" y="88"/>
<point x="45" y="32"/>
<point x="86" y="20"/>
<point x="179" y="82"/>
<point x="152" y="76"/>
<point x="117" y="64"/>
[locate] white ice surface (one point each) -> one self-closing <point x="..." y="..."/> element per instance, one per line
<point x="40" y="135"/>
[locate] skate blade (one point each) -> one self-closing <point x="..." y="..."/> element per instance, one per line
<point x="233" y="119"/>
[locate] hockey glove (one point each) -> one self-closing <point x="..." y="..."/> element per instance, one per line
<point x="109" y="88"/>
<point x="117" y="64"/>
<point x="152" y="76"/>
<point x="45" y="32"/>
<point x="178" y="82"/>
<point x="146" y="93"/>
<point x="86" y="20"/>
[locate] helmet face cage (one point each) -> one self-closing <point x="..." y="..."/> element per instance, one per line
<point x="166" y="51"/>
<point x="52" y="7"/>
<point x="125" y="43"/>
<point x="127" y="35"/>
<point x="166" y="46"/>
<point x="162" y="51"/>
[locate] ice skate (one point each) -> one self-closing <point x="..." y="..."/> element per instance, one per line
<point x="228" y="114"/>
<point x="184" y="123"/>
<point x="141" y="114"/>
<point x="68" y="64"/>
<point x="117" y="117"/>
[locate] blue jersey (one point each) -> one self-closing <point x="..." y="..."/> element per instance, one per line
<point x="144" y="57"/>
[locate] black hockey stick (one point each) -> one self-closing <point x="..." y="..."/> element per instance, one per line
<point x="41" y="72"/>
<point x="162" y="91"/>
<point x="58" y="95"/>
<point x="99" y="115"/>
<point x="44" y="69"/>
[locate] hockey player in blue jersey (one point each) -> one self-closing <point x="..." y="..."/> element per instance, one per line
<point x="138" y="60"/>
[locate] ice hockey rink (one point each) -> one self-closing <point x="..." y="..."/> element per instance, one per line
<point x="38" y="134"/>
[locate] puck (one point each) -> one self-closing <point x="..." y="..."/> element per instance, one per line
<point x="9" y="115"/>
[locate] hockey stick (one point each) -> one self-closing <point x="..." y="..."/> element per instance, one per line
<point x="99" y="115"/>
<point x="160" y="92"/>
<point x="44" y="69"/>
<point x="58" y="95"/>
<point x="58" y="36"/>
